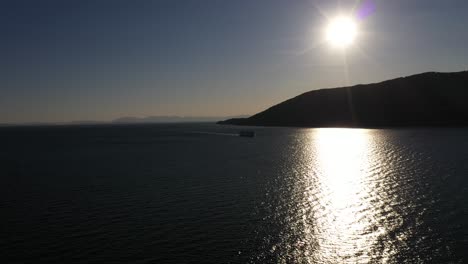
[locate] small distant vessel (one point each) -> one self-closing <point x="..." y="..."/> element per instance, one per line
<point x="247" y="133"/>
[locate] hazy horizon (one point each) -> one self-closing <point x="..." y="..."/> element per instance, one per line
<point x="134" y="119"/>
<point x="67" y="61"/>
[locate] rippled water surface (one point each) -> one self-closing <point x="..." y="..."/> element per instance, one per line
<point x="195" y="193"/>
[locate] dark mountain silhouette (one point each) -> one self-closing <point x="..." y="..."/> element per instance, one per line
<point x="427" y="99"/>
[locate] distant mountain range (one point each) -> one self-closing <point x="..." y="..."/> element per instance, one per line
<point x="427" y="99"/>
<point x="131" y="120"/>
<point x="169" y="119"/>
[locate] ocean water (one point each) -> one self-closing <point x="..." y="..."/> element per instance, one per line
<point x="196" y="193"/>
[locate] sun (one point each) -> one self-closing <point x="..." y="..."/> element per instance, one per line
<point x="341" y="31"/>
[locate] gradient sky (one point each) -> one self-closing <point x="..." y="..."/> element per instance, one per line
<point x="99" y="60"/>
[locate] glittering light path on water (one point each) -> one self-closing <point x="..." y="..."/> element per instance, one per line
<point x="346" y="211"/>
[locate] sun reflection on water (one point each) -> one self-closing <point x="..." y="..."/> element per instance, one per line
<point x="343" y="225"/>
<point x="341" y="157"/>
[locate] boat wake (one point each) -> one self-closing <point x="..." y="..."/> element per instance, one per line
<point x="215" y="133"/>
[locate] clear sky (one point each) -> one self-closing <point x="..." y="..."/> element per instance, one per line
<point x="99" y="60"/>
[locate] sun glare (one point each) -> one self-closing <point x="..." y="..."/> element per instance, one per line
<point x="341" y="31"/>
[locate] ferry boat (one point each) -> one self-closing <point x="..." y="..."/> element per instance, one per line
<point x="247" y="133"/>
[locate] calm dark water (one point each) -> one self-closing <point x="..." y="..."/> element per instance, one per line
<point x="178" y="194"/>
